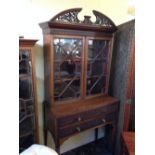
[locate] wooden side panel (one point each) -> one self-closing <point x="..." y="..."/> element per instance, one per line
<point x="130" y="88"/>
<point x="47" y="67"/>
<point x="35" y="94"/>
<point x="127" y="113"/>
<point x="131" y="75"/>
<point x="122" y="74"/>
<point x="28" y="45"/>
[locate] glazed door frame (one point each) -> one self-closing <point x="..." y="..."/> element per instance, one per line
<point x="110" y="42"/>
<point x="30" y="49"/>
<point x="82" y="69"/>
<point x="84" y="55"/>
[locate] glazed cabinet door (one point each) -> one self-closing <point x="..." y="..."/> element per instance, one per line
<point x="97" y="63"/>
<point x="27" y="128"/>
<point x="68" y="70"/>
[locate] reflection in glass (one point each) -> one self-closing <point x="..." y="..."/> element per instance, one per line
<point x="97" y="66"/>
<point x="24" y="63"/>
<point x="26" y="105"/>
<point x="67" y="48"/>
<point x="67" y="89"/>
<point x="25" y="76"/>
<point x="67" y="67"/>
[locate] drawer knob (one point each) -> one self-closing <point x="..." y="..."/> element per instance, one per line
<point x="78" y="129"/>
<point x="103" y="120"/>
<point x="79" y="119"/>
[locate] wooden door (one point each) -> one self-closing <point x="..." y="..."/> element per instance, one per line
<point x="98" y="59"/>
<point x="68" y="72"/>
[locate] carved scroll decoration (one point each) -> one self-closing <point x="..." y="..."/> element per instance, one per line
<point x="71" y="17"/>
<point x="103" y="20"/>
<point x="67" y="16"/>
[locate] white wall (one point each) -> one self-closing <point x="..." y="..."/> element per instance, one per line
<point x="33" y="12"/>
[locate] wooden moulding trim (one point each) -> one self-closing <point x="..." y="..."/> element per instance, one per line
<point x="27" y="42"/>
<point x="68" y="19"/>
<point x="127" y="112"/>
<point x="77" y="32"/>
<point x="130" y="86"/>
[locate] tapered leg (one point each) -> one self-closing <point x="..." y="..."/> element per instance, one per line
<point x="108" y="136"/>
<point x="57" y="148"/>
<point x="45" y="136"/>
<point x="96" y="134"/>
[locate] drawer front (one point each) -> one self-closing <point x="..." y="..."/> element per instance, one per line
<point x="77" y="129"/>
<point x="102" y="120"/>
<point x="86" y="115"/>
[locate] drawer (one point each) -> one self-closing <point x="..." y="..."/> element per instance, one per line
<point x="101" y="120"/>
<point x="83" y="116"/>
<point x="77" y="129"/>
<point x="111" y="117"/>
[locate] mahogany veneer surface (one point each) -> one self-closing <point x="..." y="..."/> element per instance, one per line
<point x="86" y="105"/>
<point x="128" y="139"/>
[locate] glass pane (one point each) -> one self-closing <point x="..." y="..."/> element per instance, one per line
<point x="67" y="90"/>
<point x="27" y="126"/>
<point x="24" y="63"/>
<point x="25" y="75"/>
<point x="25" y="88"/>
<point x="26" y="101"/>
<point x="67" y="48"/>
<point x="97" y="66"/>
<point x="26" y="142"/>
<point x="96" y="85"/>
<point x="67" y="68"/>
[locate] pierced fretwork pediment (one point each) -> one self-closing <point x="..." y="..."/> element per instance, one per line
<point x="69" y="19"/>
<point x="67" y="16"/>
<point x="71" y="16"/>
<point x="102" y="19"/>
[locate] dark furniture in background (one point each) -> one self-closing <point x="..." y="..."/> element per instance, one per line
<point x="123" y="77"/>
<point x="128" y="143"/>
<point x="28" y="121"/>
<point x="77" y="57"/>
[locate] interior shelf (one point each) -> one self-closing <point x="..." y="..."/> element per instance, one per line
<point x="26" y="134"/>
<point x="25" y="76"/>
<point x="99" y="59"/>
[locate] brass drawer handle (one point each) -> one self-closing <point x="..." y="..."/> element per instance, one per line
<point x="78" y="129"/>
<point x="103" y="120"/>
<point x="79" y="119"/>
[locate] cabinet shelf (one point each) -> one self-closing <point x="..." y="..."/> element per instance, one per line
<point x="75" y="60"/>
<point x="26" y="134"/>
<point x="91" y="61"/>
<point x="22" y="117"/>
<point x="25" y="100"/>
<point x="95" y="76"/>
<point x="66" y="79"/>
<point x="25" y="76"/>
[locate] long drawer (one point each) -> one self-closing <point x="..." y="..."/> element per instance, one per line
<point x="72" y="129"/>
<point x="71" y="119"/>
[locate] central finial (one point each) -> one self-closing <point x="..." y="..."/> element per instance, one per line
<point x="87" y="20"/>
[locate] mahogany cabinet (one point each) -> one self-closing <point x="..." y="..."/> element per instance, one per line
<point x="28" y="121"/>
<point x="77" y="60"/>
<point x="127" y="143"/>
